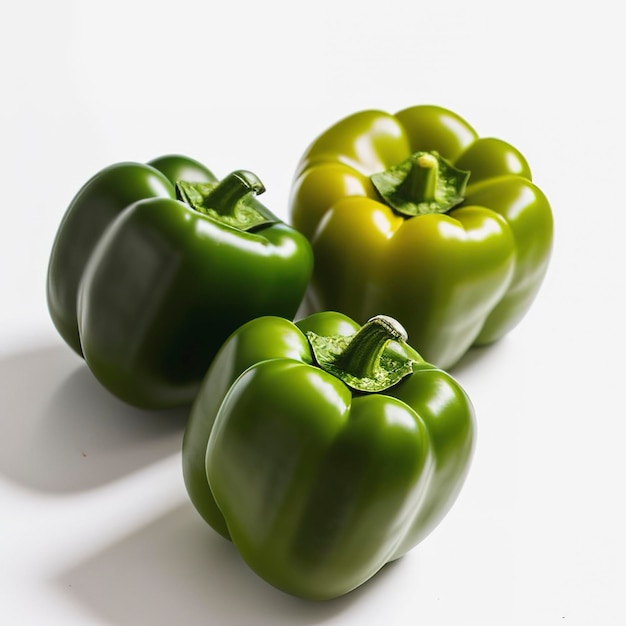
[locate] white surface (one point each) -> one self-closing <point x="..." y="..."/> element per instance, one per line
<point x="95" y="525"/>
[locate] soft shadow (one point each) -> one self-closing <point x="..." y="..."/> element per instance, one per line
<point x="178" y="571"/>
<point x="61" y="431"/>
<point x="477" y="355"/>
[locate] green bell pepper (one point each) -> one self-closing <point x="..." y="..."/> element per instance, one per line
<point x="155" y="265"/>
<point x="324" y="449"/>
<point x="413" y="214"/>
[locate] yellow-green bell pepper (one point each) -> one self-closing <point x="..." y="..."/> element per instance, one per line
<point x="324" y="449"/>
<point x="415" y="216"/>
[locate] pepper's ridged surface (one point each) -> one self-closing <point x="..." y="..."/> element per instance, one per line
<point x="457" y="260"/>
<point x="317" y="484"/>
<point x="154" y="265"/>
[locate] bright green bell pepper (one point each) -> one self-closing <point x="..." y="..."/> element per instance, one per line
<point x="414" y="215"/>
<point x="324" y="449"/>
<point x="155" y="265"/>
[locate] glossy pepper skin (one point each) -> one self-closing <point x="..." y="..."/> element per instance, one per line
<point x="455" y="273"/>
<point x="317" y="484"/>
<point x="154" y="265"/>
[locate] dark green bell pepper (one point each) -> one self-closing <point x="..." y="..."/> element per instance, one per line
<point x="416" y="215"/>
<point x="154" y="265"/>
<point x="324" y="450"/>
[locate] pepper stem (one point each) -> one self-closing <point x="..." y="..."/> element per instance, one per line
<point x="422" y="179"/>
<point x="361" y="360"/>
<point x="230" y="201"/>
<point x="423" y="183"/>
<point x="230" y="190"/>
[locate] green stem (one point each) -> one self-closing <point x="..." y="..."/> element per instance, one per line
<point x="361" y="358"/>
<point x="230" y="201"/>
<point x="423" y="183"/>
<point x="225" y="197"/>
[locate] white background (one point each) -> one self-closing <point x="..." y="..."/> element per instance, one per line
<point x="95" y="525"/>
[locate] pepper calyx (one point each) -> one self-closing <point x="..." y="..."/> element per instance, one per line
<point x="362" y="360"/>
<point x="423" y="183"/>
<point x="231" y="201"/>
